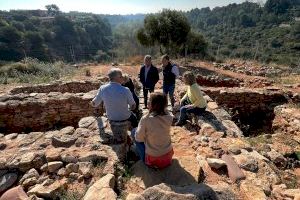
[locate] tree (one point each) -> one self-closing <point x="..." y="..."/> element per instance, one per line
<point x="52" y="9"/>
<point x="196" y="45"/>
<point x="278" y="6"/>
<point x="168" y="29"/>
<point x="34" y="46"/>
<point x="10" y="43"/>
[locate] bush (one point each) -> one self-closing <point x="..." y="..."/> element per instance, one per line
<point x="33" y="71"/>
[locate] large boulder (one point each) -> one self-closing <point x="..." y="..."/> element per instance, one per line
<point x="16" y="193"/>
<point x="63" y="141"/>
<point x="48" y="190"/>
<point x="175" y="174"/>
<point x="102" y="189"/>
<point x="27" y="160"/>
<point x="163" y="191"/>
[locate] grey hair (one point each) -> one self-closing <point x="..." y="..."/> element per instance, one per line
<point x="113" y="73"/>
<point x="147" y="57"/>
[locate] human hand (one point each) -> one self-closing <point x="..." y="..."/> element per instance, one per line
<point x="189" y="106"/>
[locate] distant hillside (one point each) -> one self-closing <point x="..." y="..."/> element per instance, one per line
<point x="268" y="33"/>
<point x="250" y="31"/>
<point x="116" y="20"/>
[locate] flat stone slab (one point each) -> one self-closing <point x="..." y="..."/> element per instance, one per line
<point x="234" y="172"/>
<point x="175" y="174"/>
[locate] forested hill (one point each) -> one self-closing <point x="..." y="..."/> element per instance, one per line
<point x="251" y="31"/>
<point x="269" y="32"/>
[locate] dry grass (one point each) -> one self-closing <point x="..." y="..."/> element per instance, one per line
<point x="292" y="79"/>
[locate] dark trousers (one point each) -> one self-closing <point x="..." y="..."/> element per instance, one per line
<point x="133" y="120"/>
<point x="145" y="92"/>
<point x="184" y="111"/>
<point x="169" y="89"/>
<point x="137" y="102"/>
<point x="139" y="146"/>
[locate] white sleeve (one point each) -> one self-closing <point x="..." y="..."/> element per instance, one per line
<point x="175" y="71"/>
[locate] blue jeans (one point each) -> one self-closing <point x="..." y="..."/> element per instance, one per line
<point x="169" y="89"/>
<point x="184" y="111"/>
<point x="140" y="146"/>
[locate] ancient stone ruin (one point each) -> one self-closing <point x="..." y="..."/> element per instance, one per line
<point x="54" y="147"/>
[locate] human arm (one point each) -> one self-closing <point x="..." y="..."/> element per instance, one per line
<point x="197" y="94"/>
<point x="130" y="99"/>
<point x="142" y="75"/>
<point x="183" y="98"/>
<point x="98" y="99"/>
<point x="155" y="75"/>
<point x="175" y="71"/>
<point x="141" y="131"/>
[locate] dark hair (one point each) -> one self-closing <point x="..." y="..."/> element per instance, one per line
<point x="165" y="57"/>
<point x="158" y="102"/>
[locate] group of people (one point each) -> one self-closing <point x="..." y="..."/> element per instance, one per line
<point x="151" y="135"/>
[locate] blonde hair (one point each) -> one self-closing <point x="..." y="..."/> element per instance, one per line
<point x="126" y="77"/>
<point x="189" y="77"/>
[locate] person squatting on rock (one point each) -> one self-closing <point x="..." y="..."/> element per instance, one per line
<point x="127" y="82"/>
<point x="152" y="136"/>
<point x="170" y="73"/>
<point x="149" y="77"/>
<point x="116" y="99"/>
<point x="192" y="101"/>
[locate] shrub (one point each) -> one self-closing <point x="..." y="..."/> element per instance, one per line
<point x="33" y="71"/>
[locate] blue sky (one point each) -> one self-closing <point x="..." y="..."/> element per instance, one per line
<point x="114" y="6"/>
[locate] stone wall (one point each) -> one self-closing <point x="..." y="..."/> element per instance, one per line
<point x="217" y="81"/>
<point x="251" y="109"/>
<point x="247" y="99"/>
<point x="40" y="111"/>
<point x="71" y="87"/>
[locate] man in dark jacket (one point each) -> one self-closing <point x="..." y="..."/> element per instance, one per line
<point x="148" y="77"/>
<point x="170" y="73"/>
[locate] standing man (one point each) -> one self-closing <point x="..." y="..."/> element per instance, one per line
<point x="148" y="77"/>
<point x="170" y="73"/>
<point x="116" y="99"/>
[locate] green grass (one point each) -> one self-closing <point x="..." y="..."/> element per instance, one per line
<point x="261" y="139"/>
<point x="33" y="71"/>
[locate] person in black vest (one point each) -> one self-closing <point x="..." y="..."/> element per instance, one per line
<point x="170" y="73"/>
<point x="148" y="77"/>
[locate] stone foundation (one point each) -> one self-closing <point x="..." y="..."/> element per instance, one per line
<point x="71" y="87"/>
<point x="251" y="109"/>
<point x="41" y="112"/>
<point x="217" y="81"/>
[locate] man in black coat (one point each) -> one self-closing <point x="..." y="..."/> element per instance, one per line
<point x="149" y="77"/>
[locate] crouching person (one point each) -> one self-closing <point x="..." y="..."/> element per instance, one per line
<point x="152" y="137"/>
<point x="117" y="101"/>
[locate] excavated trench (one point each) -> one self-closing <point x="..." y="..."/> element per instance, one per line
<point x="252" y="110"/>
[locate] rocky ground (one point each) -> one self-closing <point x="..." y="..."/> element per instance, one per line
<point x="213" y="159"/>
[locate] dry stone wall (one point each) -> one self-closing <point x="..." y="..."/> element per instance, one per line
<point x="246" y="99"/>
<point x="72" y="87"/>
<point x="40" y="111"/>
